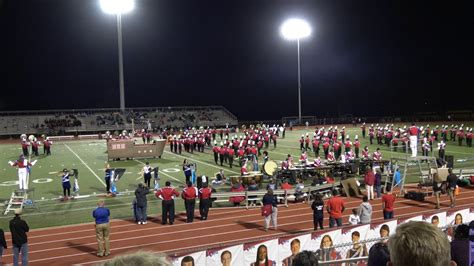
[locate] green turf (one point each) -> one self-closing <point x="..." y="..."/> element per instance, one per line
<point x="49" y="212"/>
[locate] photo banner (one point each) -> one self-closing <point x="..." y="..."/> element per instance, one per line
<point x="438" y="219"/>
<point x="327" y="240"/>
<point x="233" y="255"/>
<point x="375" y="230"/>
<point x="471" y="216"/>
<point x="259" y="250"/>
<point x="288" y="247"/>
<point x="196" y="258"/>
<point x="356" y="233"/>
<point x="458" y="217"/>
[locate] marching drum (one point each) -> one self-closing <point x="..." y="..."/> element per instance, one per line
<point x="269" y="168"/>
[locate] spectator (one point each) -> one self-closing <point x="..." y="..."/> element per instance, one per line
<point x="18" y="229"/>
<point x="365" y="211"/>
<point x="140" y="195"/>
<point x="305" y="258"/>
<point x="452" y="180"/>
<point x="3" y="245"/>
<point x="139" y="258"/>
<point x="354" y="217"/>
<point x="388" y="202"/>
<point x="272" y="185"/>
<point x="285" y="185"/>
<point x="270" y="199"/>
<point x="318" y="213"/>
<point x="460" y="245"/>
<point x="102" y="228"/>
<point x="419" y="243"/>
<point x="369" y="180"/>
<point x="335" y="207"/>
<point x="252" y="187"/>
<point x="378" y="182"/>
<point x="379" y="255"/>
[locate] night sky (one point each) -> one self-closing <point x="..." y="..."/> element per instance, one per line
<point x="364" y="57"/>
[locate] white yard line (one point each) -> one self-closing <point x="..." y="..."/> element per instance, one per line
<point x="82" y="161"/>
<point x="163" y="173"/>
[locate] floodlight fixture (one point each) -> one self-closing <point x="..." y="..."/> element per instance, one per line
<point x="295" y="28"/>
<point x="117" y="6"/>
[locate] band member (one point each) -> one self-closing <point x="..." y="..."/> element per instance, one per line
<point x="216" y="151"/>
<point x="331" y="157"/>
<point x="317" y="162"/>
<point x="441" y="149"/>
<point x="302" y="143"/>
<point x="189" y="195"/>
<point x="363" y="130"/>
<point x="306" y="142"/>
<point x="230" y="155"/>
<point x="147" y="174"/>
<point x="47" y="146"/>
<point x="336" y="146"/>
<point x="469" y="137"/>
<point x="348" y="144"/>
<point x="265" y="157"/>
<point x="425" y="147"/>
<point x="371" y="134"/>
<point x="377" y="156"/>
<point x="172" y="144"/>
<point x="316" y="146"/>
<point x="204" y="201"/>
<point x="35" y="146"/>
<point x="23" y="170"/>
<point x="304" y="158"/>
<point x="326" y="149"/>
<point x="24" y="146"/>
<point x="222" y="154"/>
<point x="243" y="169"/>
<point x="414" y="131"/>
<point x="460" y="136"/>
<point x="167" y="194"/>
<point x="356" y="146"/>
<point x="365" y="153"/>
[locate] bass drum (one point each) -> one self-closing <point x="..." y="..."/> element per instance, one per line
<point x="269" y="168"/>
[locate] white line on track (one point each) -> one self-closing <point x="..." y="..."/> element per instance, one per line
<point x="163" y="173"/>
<point x="82" y="161"/>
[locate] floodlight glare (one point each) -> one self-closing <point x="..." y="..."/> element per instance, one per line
<point x="295" y="28"/>
<point x="117" y="6"/>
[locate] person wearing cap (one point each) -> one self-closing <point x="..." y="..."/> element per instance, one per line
<point x="167" y="194"/>
<point x="363" y="130"/>
<point x="216" y="151"/>
<point x="18" y="229"/>
<point x="102" y="228"/>
<point x="47" y="146"/>
<point x="189" y="195"/>
<point x="23" y="170"/>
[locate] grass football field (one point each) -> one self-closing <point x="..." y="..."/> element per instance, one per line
<point x="90" y="157"/>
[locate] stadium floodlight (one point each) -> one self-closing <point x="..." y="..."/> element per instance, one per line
<point x="119" y="7"/>
<point x="296" y="29"/>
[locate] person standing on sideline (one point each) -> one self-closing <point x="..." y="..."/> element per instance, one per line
<point x="378" y="182"/>
<point x="189" y="195"/>
<point x="369" y="180"/>
<point x="270" y="199"/>
<point x="167" y="194"/>
<point x="414" y="131"/>
<point x="335" y="207"/>
<point x="452" y="180"/>
<point x="102" y="228"/>
<point x="140" y="196"/>
<point x="318" y="211"/>
<point x="204" y="200"/>
<point x="108" y="177"/>
<point x="365" y="211"/>
<point x="66" y="184"/>
<point x="18" y="229"/>
<point x="3" y="245"/>
<point x="147" y="174"/>
<point x="388" y="202"/>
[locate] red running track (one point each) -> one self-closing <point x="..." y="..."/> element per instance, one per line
<point x="76" y="244"/>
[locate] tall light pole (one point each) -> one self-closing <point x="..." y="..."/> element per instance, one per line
<point x="119" y="7"/>
<point x="295" y="29"/>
